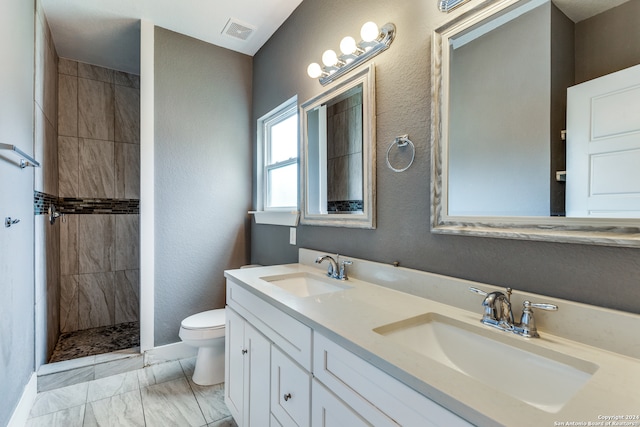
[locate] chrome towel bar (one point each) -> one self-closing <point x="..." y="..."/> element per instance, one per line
<point x="30" y="161"/>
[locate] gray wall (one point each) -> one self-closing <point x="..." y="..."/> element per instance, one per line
<point x="597" y="275"/>
<point x="17" y="331"/>
<point x="608" y="42"/>
<point x="202" y="175"/>
<point x="499" y="146"/>
<point x="562" y="73"/>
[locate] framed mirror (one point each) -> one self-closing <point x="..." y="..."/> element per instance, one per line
<point x="337" y="155"/>
<point x="526" y="112"/>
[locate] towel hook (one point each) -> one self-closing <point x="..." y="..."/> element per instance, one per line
<point x="401" y="141"/>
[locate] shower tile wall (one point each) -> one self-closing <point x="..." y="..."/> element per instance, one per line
<point x="344" y="154"/>
<point x="99" y="161"/>
<point x="47" y="237"/>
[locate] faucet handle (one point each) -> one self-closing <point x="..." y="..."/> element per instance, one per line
<point x="478" y="291"/>
<point x="542" y="306"/>
<point x="343" y="270"/>
<point x="528" y="322"/>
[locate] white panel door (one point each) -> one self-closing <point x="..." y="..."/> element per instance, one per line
<point x="603" y="146"/>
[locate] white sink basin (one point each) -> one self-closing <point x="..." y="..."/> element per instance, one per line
<point x="306" y="284"/>
<point x="535" y="375"/>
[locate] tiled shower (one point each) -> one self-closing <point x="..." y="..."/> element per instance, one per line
<point x="99" y="191"/>
<point x="92" y="265"/>
<point x="98" y="165"/>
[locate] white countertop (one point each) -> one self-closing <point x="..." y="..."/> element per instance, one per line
<point x="349" y="317"/>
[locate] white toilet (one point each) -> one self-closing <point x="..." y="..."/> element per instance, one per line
<point x="206" y="332"/>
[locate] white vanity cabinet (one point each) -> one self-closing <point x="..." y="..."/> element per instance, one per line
<point x="268" y="362"/>
<point x="290" y="390"/>
<point x="273" y="376"/>
<point x="374" y="395"/>
<point x="247" y="361"/>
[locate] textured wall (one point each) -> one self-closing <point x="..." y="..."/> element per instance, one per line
<point x="202" y="175"/>
<point x="16" y="201"/>
<point x="608" y="42"/>
<point x="597" y="275"/>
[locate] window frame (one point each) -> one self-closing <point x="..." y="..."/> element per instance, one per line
<point x="279" y="114"/>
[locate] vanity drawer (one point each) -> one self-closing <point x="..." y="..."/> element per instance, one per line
<point x="292" y="336"/>
<point x="290" y="391"/>
<point x="369" y="390"/>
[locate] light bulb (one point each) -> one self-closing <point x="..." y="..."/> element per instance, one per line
<point x="348" y="45"/>
<point x="369" y="31"/>
<point x="314" y="70"/>
<point x="329" y="58"/>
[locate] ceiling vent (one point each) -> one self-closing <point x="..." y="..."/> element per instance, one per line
<point x="238" y="30"/>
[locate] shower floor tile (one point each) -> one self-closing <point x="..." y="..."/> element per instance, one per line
<point x="89" y="342"/>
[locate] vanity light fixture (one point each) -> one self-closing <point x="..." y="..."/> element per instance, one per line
<point x="374" y="40"/>
<point x="449" y="5"/>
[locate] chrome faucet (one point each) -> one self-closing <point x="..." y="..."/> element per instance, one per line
<point x="499" y="314"/>
<point x="333" y="270"/>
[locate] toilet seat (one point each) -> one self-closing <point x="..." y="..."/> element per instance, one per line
<point x="212" y="319"/>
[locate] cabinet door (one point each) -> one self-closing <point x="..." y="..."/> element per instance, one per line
<point x="257" y="377"/>
<point x="290" y="391"/>
<point x="234" y="351"/>
<point x="329" y="411"/>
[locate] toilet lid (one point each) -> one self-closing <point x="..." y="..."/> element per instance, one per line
<point x="212" y="319"/>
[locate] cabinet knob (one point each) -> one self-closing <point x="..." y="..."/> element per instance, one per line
<point x="287" y="397"/>
<point x="244" y="351"/>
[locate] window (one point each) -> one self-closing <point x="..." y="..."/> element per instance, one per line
<point x="278" y="158"/>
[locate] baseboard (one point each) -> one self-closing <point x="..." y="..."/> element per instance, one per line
<point x="169" y="352"/>
<point x="21" y="413"/>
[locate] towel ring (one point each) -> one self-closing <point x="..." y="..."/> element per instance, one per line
<point x="401" y="141"/>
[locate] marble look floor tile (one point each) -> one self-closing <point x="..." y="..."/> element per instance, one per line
<point x="62" y="398"/>
<point x="171" y="403"/>
<point x="120" y="366"/>
<point x="156" y="374"/>
<point x="226" y="422"/>
<point x="111" y="386"/>
<point x="211" y="401"/>
<point x="71" y="417"/>
<point x="65" y="365"/>
<point x="122" y="410"/>
<point x="188" y="366"/>
<point x="66" y="378"/>
<point x="118" y="354"/>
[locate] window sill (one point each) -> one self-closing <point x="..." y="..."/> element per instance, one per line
<point x="287" y="218"/>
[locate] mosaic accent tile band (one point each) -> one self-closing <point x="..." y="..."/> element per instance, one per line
<point x="338" y="206"/>
<point x="78" y="206"/>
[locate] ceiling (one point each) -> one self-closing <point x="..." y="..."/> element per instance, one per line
<point x="579" y="10"/>
<point x="107" y="32"/>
